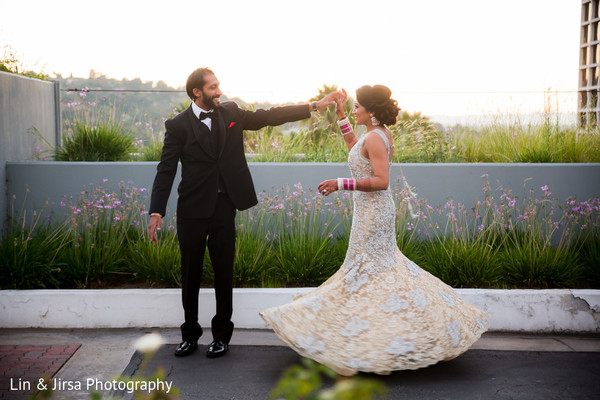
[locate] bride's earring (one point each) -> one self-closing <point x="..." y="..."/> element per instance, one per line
<point x="374" y="121"/>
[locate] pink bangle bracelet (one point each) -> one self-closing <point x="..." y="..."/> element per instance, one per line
<point x="345" y="126"/>
<point x="346" y="184"/>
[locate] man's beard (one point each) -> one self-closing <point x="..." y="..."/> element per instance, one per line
<point x="209" y="102"/>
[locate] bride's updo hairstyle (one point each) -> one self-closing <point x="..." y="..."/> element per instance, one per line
<point x="376" y="99"/>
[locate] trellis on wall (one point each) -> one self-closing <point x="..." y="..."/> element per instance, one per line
<point x="589" y="63"/>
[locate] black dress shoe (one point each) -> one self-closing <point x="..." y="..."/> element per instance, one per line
<point x="186" y="348"/>
<point x="217" y="349"/>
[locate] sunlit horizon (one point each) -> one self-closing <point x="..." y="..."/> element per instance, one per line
<point x="438" y="58"/>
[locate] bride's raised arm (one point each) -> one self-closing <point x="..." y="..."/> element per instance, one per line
<point x="343" y="122"/>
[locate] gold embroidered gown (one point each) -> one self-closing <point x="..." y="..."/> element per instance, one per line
<point x="379" y="312"/>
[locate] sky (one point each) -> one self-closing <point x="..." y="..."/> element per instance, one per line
<point x="437" y="56"/>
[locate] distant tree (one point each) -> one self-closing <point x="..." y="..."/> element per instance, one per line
<point x="9" y="62"/>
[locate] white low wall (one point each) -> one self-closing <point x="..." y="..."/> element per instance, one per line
<point x="549" y="311"/>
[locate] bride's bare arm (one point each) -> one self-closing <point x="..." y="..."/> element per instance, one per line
<point x="378" y="155"/>
<point x="344" y="124"/>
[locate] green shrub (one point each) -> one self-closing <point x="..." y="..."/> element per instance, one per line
<point x="535" y="267"/>
<point x="95" y="132"/>
<point x="105" y="142"/>
<point x="461" y="264"/>
<point x="254" y="262"/>
<point x="28" y="259"/>
<point x="589" y="255"/>
<point x="152" y="152"/>
<point x="156" y="264"/>
<point x="304" y="227"/>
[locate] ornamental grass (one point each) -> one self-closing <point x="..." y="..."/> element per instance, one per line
<point x="295" y="237"/>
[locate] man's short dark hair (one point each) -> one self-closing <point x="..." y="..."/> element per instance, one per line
<point x="196" y="81"/>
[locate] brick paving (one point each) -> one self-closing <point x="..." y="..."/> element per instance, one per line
<point x="21" y="367"/>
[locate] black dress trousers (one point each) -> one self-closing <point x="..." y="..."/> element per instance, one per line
<point x="218" y="234"/>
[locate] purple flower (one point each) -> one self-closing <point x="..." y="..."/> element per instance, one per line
<point x="544" y="188"/>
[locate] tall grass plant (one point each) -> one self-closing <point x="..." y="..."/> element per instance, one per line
<point x="295" y="237"/>
<point x="94" y="132"/>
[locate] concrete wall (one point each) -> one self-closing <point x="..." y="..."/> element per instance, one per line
<point x="25" y="103"/>
<point x="50" y="181"/>
<point x="532" y="311"/>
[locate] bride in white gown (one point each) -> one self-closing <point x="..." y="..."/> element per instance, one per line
<point x="379" y="312"/>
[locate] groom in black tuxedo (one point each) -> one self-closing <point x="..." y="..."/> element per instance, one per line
<point x="215" y="182"/>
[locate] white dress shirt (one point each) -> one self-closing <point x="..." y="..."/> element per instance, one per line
<point x="197" y="110"/>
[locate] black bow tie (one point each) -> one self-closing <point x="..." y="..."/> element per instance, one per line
<point x="204" y="115"/>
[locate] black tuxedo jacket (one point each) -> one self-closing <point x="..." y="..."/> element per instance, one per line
<point x="189" y="142"/>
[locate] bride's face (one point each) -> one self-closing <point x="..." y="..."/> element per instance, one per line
<point x="361" y="114"/>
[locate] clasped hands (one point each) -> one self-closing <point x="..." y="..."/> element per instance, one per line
<point x="338" y="98"/>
